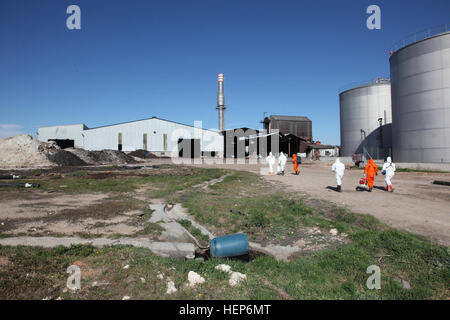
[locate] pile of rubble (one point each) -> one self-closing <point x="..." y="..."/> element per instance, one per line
<point x="144" y="154"/>
<point x="23" y="151"/>
<point x="65" y="158"/>
<point x="102" y="157"/>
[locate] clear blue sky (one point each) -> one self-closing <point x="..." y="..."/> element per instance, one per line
<point x="137" y="59"/>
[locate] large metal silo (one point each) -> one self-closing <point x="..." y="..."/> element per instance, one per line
<point x="365" y="117"/>
<point x="420" y="79"/>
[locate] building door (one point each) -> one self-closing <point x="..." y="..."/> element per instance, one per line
<point x="145" y="142"/>
<point x="165" y="142"/>
<point x="63" y="144"/>
<point x="119" y="146"/>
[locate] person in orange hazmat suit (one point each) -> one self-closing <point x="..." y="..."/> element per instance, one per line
<point x="294" y="160"/>
<point x="371" y="170"/>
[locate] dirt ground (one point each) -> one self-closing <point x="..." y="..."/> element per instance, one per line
<point x="416" y="205"/>
<point x="56" y="211"/>
<point x="39" y="213"/>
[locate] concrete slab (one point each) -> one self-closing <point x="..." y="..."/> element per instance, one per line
<point x="278" y="252"/>
<point x="174" y="232"/>
<point x="164" y="249"/>
<point x="177" y="212"/>
<point x="158" y="214"/>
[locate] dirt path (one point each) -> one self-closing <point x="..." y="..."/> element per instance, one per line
<point x="416" y="205"/>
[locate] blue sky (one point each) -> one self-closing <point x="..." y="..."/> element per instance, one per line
<point x="137" y="59"/>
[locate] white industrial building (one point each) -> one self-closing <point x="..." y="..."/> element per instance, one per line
<point x="73" y="132"/>
<point x="162" y="137"/>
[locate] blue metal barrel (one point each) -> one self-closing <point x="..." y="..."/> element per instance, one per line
<point x="229" y="246"/>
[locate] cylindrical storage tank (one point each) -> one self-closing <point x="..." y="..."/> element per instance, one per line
<point x="420" y="79"/>
<point x="360" y="110"/>
<point x="229" y="246"/>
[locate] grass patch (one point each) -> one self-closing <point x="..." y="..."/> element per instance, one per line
<point x="244" y="203"/>
<point x="194" y="231"/>
<point x="165" y="186"/>
<point x="150" y="229"/>
<point x="79" y="184"/>
<point x="164" y="181"/>
<point x="419" y="170"/>
<point x="267" y="214"/>
<point x="397" y="169"/>
<point x="35" y="273"/>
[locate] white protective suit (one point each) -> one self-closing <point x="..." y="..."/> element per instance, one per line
<point x="282" y="161"/>
<point x="271" y="161"/>
<point x="389" y="166"/>
<point x="338" y="168"/>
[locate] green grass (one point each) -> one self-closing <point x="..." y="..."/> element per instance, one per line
<point x="270" y="214"/>
<point x="332" y="274"/>
<point x="168" y="185"/>
<point x="163" y="184"/>
<point x="419" y="170"/>
<point x="380" y="168"/>
<point x="194" y="231"/>
<point x="266" y="216"/>
<point x="150" y="229"/>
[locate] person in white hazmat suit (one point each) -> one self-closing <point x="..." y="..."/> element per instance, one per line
<point x="270" y="161"/>
<point x="388" y="171"/>
<point x="282" y="162"/>
<point x="338" y="168"/>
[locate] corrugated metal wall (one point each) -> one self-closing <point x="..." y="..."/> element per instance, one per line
<point x="133" y="136"/>
<point x="420" y="76"/>
<point x="297" y="128"/>
<point x="360" y="109"/>
<point x="71" y="132"/>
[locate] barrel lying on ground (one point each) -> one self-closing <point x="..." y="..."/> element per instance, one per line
<point x="229" y="246"/>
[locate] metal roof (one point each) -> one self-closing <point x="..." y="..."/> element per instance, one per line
<point x="289" y="118"/>
<point x="126" y="122"/>
<point x="66" y="125"/>
<point x="321" y="146"/>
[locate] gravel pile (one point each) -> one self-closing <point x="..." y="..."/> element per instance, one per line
<point x="65" y="158"/>
<point x="102" y="157"/>
<point x="143" y="154"/>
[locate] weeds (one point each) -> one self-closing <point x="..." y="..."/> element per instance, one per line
<point x="271" y="215"/>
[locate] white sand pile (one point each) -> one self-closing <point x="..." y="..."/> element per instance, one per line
<point x="23" y="151"/>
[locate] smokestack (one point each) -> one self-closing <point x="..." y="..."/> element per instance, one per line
<point x="221" y="103"/>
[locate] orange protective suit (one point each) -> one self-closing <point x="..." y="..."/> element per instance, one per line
<point x="371" y="170"/>
<point x="294" y="160"/>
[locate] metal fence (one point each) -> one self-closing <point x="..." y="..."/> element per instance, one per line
<point x="419" y="36"/>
